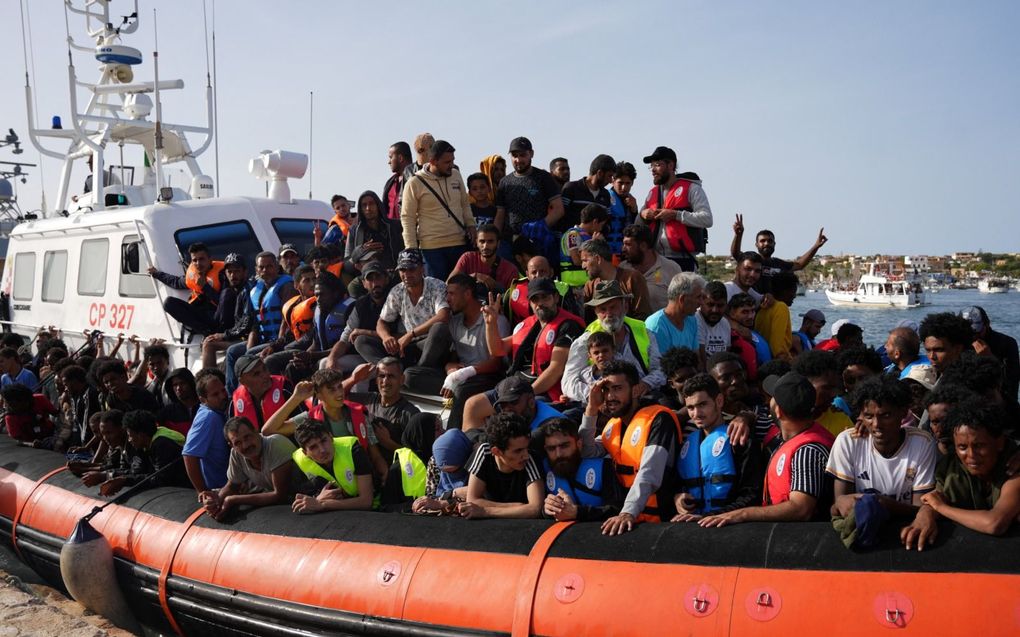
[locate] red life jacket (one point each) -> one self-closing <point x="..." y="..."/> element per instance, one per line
<point x="777" y="477"/>
<point x="828" y="345"/>
<point x="541" y="356"/>
<point x="520" y="309"/>
<point x="272" y="400"/>
<point x="318" y="412"/>
<point x="677" y="234"/>
<point x="197" y="284"/>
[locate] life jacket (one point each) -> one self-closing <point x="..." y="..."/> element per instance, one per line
<point x="197" y="284"/>
<point x="586" y="485"/>
<point x="328" y="330"/>
<point x="627" y="446"/>
<point x="336" y="269"/>
<point x="619" y="218"/>
<point x="639" y="340"/>
<point x="572" y="275"/>
<point x="681" y="238"/>
<point x="828" y="345"/>
<point x="777" y="477"/>
<point x="343" y="465"/>
<point x="318" y="412"/>
<point x="298" y="314"/>
<point x="516" y="299"/>
<point x="544" y="239"/>
<point x="272" y="400"/>
<point x="805" y="342"/>
<point x="170" y="434"/>
<point x="707" y="469"/>
<point x="762" y="351"/>
<point x="268" y="306"/>
<point x="412" y="472"/>
<point x="541" y="355"/>
<point x="345" y="226"/>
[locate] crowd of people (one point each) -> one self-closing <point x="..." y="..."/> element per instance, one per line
<point x="589" y="372"/>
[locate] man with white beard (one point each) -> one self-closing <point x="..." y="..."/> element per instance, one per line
<point x="635" y="343"/>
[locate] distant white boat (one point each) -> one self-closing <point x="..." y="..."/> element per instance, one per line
<point x="993" y="286"/>
<point x="878" y="289"/>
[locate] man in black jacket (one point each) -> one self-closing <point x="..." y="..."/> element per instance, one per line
<point x="234" y="318"/>
<point x="999" y="345"/>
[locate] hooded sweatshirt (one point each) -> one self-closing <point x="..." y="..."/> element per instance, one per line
<point x="426" y="222"/>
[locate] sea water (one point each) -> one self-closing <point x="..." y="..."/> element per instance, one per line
<point x="1003" y="312"/>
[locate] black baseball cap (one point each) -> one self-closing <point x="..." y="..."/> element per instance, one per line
<point x="373" y="267"/>
<point x="541" y="285"/>
<point x="661" y="153"/>
<point x="234" y="259"/>
<point x="510" y="390"/>
<point x="520" y="144"/>
<point x="245" y="364"/>
<point x="794" y="394"/>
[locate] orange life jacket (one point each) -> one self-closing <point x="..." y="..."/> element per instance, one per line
<point x="345" y="226"/>
<point x="625" y="445"/>
<point x="197" y="284"/>
<point x="298" y="314"/>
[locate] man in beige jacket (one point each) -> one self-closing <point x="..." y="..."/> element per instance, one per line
<point x="436" y="214"/>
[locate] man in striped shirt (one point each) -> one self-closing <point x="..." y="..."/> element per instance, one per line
<point x="796" y="488"/>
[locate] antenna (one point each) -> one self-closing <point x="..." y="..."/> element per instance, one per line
<point x="311" y="126"/>
<point x="159" y="110"/>
<point x="216" y="103"/>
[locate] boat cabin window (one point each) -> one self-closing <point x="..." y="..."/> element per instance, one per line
<point x="54" y="276"/>
<point x="112" y="200"/>
<point x="24" y="276"/>
<point x="135" y="281"/>
<point x="222" y="239"/>
<point x="298" y="232"/>
<point x="92" y="266"/>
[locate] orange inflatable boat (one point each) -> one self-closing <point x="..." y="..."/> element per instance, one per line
<point x="272" y="572"/>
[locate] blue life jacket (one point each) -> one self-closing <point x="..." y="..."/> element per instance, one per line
<point x="619" y="218"/>
<point x="762" y="351"/>
<point x="546" y="242"/>
<point x="584" y="488"/>
<point x="268" y="306"/>
<point x="328" y="330"/>
<point x="805" y="342"/>
<point x="707" y="469"/>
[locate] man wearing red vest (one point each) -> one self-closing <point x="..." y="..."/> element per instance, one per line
<point x="642" y="441"/>
<point x="259" y="395"/>
<point x="796" y="488"/>
<point x="540" y="343"/>
<point x="676" y="210"/>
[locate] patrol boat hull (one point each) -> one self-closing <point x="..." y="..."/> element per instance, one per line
<point x="271" y="572"/>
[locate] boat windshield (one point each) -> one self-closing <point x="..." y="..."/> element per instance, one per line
<point x="221" y="239"/>
<point x="298" y="233"/>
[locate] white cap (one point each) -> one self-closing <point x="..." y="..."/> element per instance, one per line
<point x="838" y="324"/>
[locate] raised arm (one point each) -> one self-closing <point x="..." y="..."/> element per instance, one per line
<point x="804" y="259"/>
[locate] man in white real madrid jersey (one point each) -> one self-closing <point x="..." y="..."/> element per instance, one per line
<point x="578" y="488"/>
<point x="895" y="463"/>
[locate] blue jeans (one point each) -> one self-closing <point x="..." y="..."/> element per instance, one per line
<point x="439" y="262"/>
<point x="234" y="352"/>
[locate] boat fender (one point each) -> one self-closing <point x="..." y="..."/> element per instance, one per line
<point x="86" y="566"/>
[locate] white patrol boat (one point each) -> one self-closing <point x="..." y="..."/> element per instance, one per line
<point x="880" y="289"/>
<point x="86" y="269"/>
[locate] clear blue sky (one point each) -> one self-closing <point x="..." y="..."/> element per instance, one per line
<point x="894" y="125"/>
